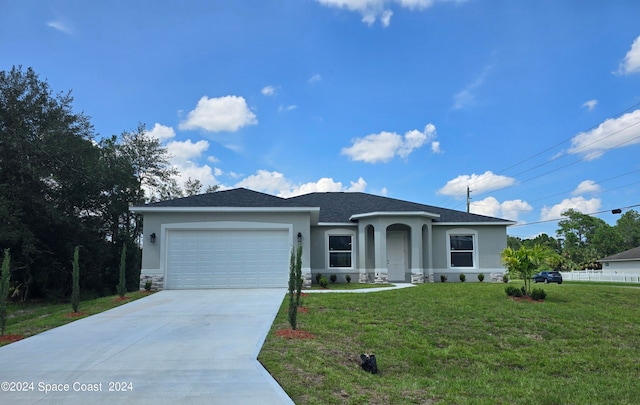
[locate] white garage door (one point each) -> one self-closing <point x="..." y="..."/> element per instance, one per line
<point x="227" y="259"/>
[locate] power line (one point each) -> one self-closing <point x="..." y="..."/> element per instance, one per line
<point x="560" y="219"/>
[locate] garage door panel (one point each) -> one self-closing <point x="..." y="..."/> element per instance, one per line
<point x="227" y="258"/>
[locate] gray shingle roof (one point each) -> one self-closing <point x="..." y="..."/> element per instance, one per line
<point x="339" y="207"/>
<point x="334" y="207"/>
<point x="237" y="197"/>
<point x="631" y="254"/>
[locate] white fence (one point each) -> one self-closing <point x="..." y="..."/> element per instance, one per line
<point x="598" y="275"/>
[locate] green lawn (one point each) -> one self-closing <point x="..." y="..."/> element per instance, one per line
<point x="30" y="318"/>
<point x="461" y="343"/>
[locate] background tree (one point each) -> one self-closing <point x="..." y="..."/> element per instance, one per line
<point x="628" y="226"/>
<point x="75" y="289"/>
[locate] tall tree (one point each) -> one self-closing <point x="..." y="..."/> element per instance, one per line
<point x="628" y="226"/>
<point x="46" y="191"/>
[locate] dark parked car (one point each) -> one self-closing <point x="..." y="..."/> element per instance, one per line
<point x="548" y="277"/>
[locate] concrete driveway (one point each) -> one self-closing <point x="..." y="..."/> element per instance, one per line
<point x="187" y="347"/>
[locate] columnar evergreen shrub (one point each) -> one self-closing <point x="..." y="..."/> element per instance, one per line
<point x="122" y="286"/>
<point x="295" y="285"/>
<point x="298" y="265"/>
<point x="5" y="279"/>
<point x="75" y="290"/>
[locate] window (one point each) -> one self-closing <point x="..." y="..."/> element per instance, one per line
<point x="340" y="251"/>
<point x="461" y="250"/>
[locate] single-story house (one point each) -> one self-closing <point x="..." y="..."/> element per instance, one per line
<point x="623" y="262"/>
<point x="241" y="238"/>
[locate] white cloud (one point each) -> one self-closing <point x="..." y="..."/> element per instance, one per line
<point x="161" y="132"/>
<point x="228" y="113"/>
<point x="591" y="104"/>
<point x="183" y="151"/>
<point x="213" y="159"/>
<point x="60" y="26"/>
<point x="577" y="203"/>
<point x="285" y="108"/>
<point x="217" y="172"/>
<point x="467" y="96"/>
<point x="612" y="133"/>
<point x="435" y="147"/>
<point x="372" y="10"/>
<point x="276" y="183"/>
<point x="269" y="91"/>
<point x="478" y="183"/>
<point x="511" y="209"/>
<point x="631" y="62"/>
<point x="315" y="78"/>
<point x="586" y="187"/>
<point x="385" y="146"/>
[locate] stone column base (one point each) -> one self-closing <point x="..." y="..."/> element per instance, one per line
<point x="381" y="278"/>
<point x="306" y="280"/>
<point x="417" y="278"/>
<point x="496" y="277"/>
<point x="363" y="278"/>
<point x="157" y="281"/>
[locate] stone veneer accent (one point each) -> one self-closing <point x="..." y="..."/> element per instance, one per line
<point x="496" y="277"/>
<point x="157" y="281"/>
<point x="417" y="278"/>
<point x="381" y="278"/>
<point x="306" y="280"/>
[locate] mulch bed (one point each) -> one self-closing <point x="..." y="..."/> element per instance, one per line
<point x="526" y="298"/>
<point x="294" y="334"/>
<point x="11" y="338"/>
<point x="119" y="299"/>
<point x="75" y="314"/>
<point x="303" y="310"/>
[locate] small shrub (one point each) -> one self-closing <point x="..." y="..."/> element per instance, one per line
<point x="538" y="294"/>
<point x="505" y="278"/>
<point x="323" y="282"/>
<point x="513" y="291"/>
<point x="481" y="277"/>
<point x="523" y="291"/>
<point x="443" y="278"/>
<point x="462" y="277"/>
<point x="147" y="285"/>
<point x="348" y="278"/>
<point x="333" y="278"/>
<point x="318" y="277"/>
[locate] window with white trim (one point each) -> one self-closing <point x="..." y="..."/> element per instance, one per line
<point x="340" y="251"/>
<point x="462" y="250"/>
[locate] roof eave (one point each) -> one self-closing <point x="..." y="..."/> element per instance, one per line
<point x="394" y="214"/>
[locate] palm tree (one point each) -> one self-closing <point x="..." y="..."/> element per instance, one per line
<point x="525" y="262"/>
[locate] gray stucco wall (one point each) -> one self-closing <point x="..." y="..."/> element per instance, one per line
<point x="491" y="240"/>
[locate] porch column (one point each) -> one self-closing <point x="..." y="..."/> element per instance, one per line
<point x="380" y="242"/>
<point x="361" y="264"/>
<point x="429" y="264"/>
<point x="417" y="268"/>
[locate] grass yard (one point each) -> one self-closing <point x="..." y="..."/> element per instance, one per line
<point x="463" y="343"/>
<point x="30" y="318"/>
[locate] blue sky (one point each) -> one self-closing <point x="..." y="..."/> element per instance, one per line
<point x="533" y="105"/>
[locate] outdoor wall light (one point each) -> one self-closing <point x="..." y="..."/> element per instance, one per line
<point x="152" y="237"/>
<point x="299" y="237"/>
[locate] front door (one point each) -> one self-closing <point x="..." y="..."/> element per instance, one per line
<point x="396" y="255"/>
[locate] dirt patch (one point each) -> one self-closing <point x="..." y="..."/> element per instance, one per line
<point x="75" y="314"/>
<point x="303" y="310"/>
<point x="294" y="334"/>
<point x="120" y="299"/>
<point x="11" y="338"/>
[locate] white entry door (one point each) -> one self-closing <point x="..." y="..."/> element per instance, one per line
<point x="396" y="255"/>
